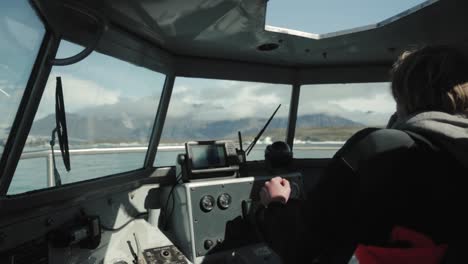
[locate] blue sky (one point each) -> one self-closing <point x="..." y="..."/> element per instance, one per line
<point x="325" y="16"/>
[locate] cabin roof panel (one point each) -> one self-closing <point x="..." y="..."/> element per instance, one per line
<point x="234" y="29"/>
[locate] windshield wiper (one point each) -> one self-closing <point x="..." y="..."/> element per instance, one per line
<point x="61" y="131"/>
<point x="250" y="147"/>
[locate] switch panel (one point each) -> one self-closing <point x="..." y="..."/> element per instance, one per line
<point x="164" y="255"/>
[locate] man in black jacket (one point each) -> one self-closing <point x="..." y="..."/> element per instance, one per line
<point x="410" y="175"/>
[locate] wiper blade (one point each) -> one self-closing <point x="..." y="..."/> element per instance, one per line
<point x="61" y="124"/>
<point x="61" y="131"/>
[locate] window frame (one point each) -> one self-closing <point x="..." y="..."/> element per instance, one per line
<point x="28" y="105"/>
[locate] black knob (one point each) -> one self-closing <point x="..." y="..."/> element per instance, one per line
<point x="166" y="254"/>
<point x="208" y="244"/>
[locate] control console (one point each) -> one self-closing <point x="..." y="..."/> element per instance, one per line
<point x="205" y="217"/>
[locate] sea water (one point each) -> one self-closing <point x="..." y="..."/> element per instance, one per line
<point x="31" y="174"/>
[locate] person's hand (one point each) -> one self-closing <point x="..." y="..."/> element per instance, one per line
<point x="275" y="190"/>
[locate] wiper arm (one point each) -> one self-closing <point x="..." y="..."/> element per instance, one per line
<point x="58" y="180"/>
<point x="250" y="147"/>
<point x="61" y="124"/>
<point x="61" y="130"/>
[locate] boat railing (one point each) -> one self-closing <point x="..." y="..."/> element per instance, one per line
<point x="48" y="155"/>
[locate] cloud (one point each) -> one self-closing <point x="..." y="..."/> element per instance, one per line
<point x="125" y="109"/>
<point x="367" y="103"/>
<point x="78" y="94"/>
<point x="221" y="100"/>
<point x="380" y="103"/>
<point x="326" y="92"/>
<point x="206" y="99"/>
<point x="24" y="35"/>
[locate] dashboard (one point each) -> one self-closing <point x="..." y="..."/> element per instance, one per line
<point x="207" y="219"/>
<point x="205" y="214"/>
<point x="202" y="218"/>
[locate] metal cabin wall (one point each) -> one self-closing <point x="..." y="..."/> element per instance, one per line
<point x="135" y="48"/>
<point x="245" y="71"/>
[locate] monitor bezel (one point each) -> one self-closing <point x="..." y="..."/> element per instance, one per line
<point x="189" y="147"/>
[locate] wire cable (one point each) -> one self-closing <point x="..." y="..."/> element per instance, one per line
<point x="138" y="216"/>
<point x="171" y="192"/>
<point x="141" y="215"/>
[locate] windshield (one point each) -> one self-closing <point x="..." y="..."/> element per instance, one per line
<point x="329" y="114"/>
<point x="207" y="109"/>
<point x="110" y="109"/>
<point x="21" y="34"/>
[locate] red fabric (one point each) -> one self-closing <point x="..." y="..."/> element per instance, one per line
<point x="422" y="250"/>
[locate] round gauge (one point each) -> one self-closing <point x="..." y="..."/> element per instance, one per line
<point x="207" y="203"/>
<point x="224" y="200"/>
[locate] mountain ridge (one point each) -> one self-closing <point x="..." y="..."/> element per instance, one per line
<point x="124" y="129"/>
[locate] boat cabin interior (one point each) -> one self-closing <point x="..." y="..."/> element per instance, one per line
<point x="137" y="131"/>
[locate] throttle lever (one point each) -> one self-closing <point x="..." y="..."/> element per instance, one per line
<point x="246" y="206"/>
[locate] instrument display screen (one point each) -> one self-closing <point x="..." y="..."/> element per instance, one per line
<point x="206" y="156"/>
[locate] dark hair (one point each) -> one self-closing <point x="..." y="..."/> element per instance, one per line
<point x="433" y="78"/>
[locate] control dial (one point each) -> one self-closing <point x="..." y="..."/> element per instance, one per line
<point x="224" y="201"/>
<point x="207" y="203"/>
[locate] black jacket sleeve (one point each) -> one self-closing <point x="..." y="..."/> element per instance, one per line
<point x="344" y="203"/>
<point x="302" y="230"/>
